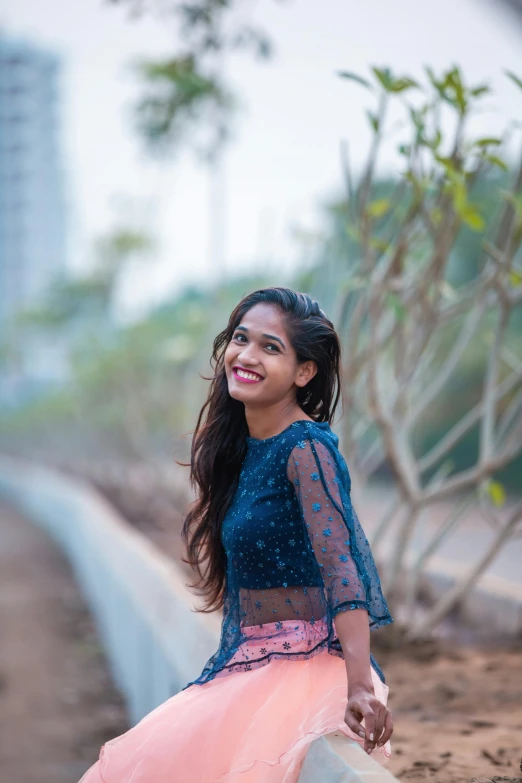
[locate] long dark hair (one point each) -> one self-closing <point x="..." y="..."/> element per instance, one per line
<point x="219" y="444"/>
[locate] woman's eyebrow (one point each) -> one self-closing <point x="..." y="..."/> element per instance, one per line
<point x="270" y="336"/>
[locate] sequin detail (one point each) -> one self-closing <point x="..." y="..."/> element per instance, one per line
<point x="295" y="551"/>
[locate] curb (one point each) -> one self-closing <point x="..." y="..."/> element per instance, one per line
<point x="139" y="622"/>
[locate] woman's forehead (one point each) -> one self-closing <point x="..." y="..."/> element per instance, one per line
<point x="262" y="314"/>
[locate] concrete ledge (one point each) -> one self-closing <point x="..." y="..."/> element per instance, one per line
<point x="154" y="643"/>
<point x="136" y="594"/>
<point x="336" y="759"/>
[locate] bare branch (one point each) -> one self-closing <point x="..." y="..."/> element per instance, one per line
<point x="450" y="599"/>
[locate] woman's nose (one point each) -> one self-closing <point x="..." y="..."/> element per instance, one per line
<point x="248" y="357"/>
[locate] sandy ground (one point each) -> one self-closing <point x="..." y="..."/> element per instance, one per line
<point x="457" y="711"/>
<point x="57" y="701"/>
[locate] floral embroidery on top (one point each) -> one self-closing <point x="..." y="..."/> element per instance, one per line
<point x="289" y="572"/>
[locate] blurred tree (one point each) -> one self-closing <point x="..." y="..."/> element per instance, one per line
<point x="185" y="97"/>
<point x="90" y="298"/>
<point x="426" y="287"/>
<point x="410" y="316"/>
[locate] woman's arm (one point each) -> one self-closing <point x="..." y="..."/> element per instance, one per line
<point x="354" y="635"/>
<point x="352" y="586"/>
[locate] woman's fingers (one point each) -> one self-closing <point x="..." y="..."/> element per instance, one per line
<point x="377" y="718"/>
<point x="380" y="715"/>
<point x="388" y="728"/>
<point x="351" y="721"/>
<point x="370" y="722"/>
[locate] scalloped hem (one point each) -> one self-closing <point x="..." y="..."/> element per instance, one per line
<point x="306" y="740"/>
<point x="251" y="726"/>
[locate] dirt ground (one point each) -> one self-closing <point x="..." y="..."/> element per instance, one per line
<point x="57" y="701"/>
<point x="457" y="710"/>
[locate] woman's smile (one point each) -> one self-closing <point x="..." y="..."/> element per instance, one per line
<point x="246" y="376"/>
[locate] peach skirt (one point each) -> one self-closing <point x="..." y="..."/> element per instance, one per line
<point x="245" y="727"/>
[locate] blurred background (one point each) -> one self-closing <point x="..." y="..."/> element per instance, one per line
<point x="158" y="161"/>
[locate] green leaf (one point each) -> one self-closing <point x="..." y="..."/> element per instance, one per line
<point x="472" y="218"/>
<point x="403" y="84"/>
<point x="515" y="278"/>
<point x="384" y="76"/>
<point x="448" y="164"/>
<point x="379" y="244"/>
<point x="487" y="142"/>
<point x="457" y="188"/>
<point x="379" y="207"/>
<point x="482" y="89"/>
<point x="374" y="120"/>
<point x="419" y="185"/>
<point x="496" y="161"/>
<point x="453" y="90"/>
<point x="354" y="77"/>
<point x="514" y="78"/>
<point x="497" y="493"/>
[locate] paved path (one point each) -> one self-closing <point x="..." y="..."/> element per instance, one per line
<point x="466" y="544"/>
<point x="57" y="703"/>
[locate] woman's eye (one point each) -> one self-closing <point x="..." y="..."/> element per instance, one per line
<point x="271" y="345"/>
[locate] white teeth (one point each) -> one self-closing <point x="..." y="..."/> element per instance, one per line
<point x="250" y="376"/>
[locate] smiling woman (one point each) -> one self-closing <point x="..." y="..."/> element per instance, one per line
<point x="274" y="539"/>
<point x="260" y="350"/>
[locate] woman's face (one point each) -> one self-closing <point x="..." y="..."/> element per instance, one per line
<point x="260" y="364"/>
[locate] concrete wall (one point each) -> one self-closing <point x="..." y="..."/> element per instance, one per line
<point x="136" y="594"/>
<point x="154" y="643"/>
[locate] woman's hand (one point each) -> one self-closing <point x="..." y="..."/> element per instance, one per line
<point x="363" y="704"/>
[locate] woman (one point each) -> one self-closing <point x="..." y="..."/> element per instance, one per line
<point x="276" y="543"/>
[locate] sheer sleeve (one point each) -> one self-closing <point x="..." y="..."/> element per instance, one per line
<point x="322" y="485"/>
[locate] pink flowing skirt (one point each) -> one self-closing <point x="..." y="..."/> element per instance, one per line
<point x="245" y="727"/>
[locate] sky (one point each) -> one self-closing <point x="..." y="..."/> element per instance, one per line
<point x="284" y="159"/>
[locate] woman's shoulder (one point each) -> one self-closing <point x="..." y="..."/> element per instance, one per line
<point x="310" y="429"/>
<point x="304" y="434"/>
<point x="317" y="444"/>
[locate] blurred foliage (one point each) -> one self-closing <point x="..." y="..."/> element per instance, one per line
<point x="455" y="210"/>
<point x="185" y="98"/>
<point x="177" y="101"/>
<point x="133" y="389"/>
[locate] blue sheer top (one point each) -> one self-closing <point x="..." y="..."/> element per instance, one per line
<point x="296" y="554"/>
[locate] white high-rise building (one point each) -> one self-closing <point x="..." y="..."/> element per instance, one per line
<point x="32" y="204"/>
